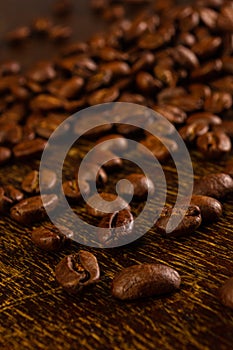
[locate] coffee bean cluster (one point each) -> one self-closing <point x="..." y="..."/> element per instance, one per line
<point x="178" y="61"/>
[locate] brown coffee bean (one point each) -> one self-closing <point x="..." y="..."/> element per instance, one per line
<point x="74" y="48"/>
<point x="103" y="96"/>
<point x="115" y="143"/>
<point x="46" y="126"/>
<point x="208" y="17"/>
<point x="98" y="80"/>
<point x="226" y="293"/>
<point x="5" y="155"/>
<point x="41" y="25"/>
<point x="204" y="117"/>
<point x="77" y="271"/>
<point x="34" y="181"/>
<point x="207" y="70"/>
<point x="186" y="39"/>
<point x="132" y="98"/>
<point x="191" y="132"/>
<point x="190" y="221"/>
<point x="32" y="209"/>
<point x="119" y="225"/>
<point x="45" y="102"/>
<point x="50" y="237"/>
<point x="113" y="13"/>
<point x="71" y="87"/>
<point x="227" y="64"/>
<point x="110" y="203"/>
<point x="146" y="83"/>
<point x="30" y="183"/>
<point x="185" y="57"/>
<point x="18" y="35"/>
<point x="190" y="103"/>
<point x="5" y="201"/>
<point x="145" y="60"/>
<point x="207" y="46"/>
<point x="225" y="19"/>
<point x="98" y="5"/>
<point x="174" y="114"/>
<point x="9" y="67"/>
<point x="29" y="148"/>
<point x="72" y="191"/>
<point x="218" y="101"/>
<point x="160" y="149"/>
<point x="214" y="145"/>
<point x="224" y="84"/>
<point x="217" y="185"/>
<point x="100" y="157"/>
<point x="166" y="94"/>
<point x="41" y="72"/>
<point x="211" y="208"/>
<point x="91" y="173"/>
<point x="200" y="91"/>
<point x="166" y="75"/>
<point x="117" y="68"/>
<point x="59" y="33"/>
<point x="142" y="186"/>
<point x="145" y="280"/>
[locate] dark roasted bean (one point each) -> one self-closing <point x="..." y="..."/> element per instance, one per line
<point x="204" y="117"/>
<point x="145" y="280"/>
<point x="211" y="208"/>
<point x="214" y="145"/>
<point x="100" y="156"/>
<point x="160" y="148"/>
<point x="207" y="71"/>
<point x="45" y="102"/>
<point x="50" y="237"/>
<point x="113" y="13"/>
<point x="42" y="72"/>
<point x="103" y="96"/>
<point x="110" y="203"/>
<point x="224" y="84"/>
<point x="98" y="80"/>
<point x="29" y="148"/>
<point x="216" y="185"/>
<point x="114" y="143"/>
<point x="226" y="293"/>
<point x="5" y="154"/>
<point x="185" y="57"/>
<point x="207" y="46"/>
<point x="190" y="221"/>
<point x="190" y="132"/>
<point x="200" y="91"/>
<point x="218" y="102"/>
<point x="146" y="83"/>
<point x="60" y="33"/>
<point x="142" y="186"/>
<point x="33" y="209"/>
<point x="91" y="173"/>
<point x="13" y="193"/>
<point x="34" y="181"/>
<point x="72" y="191"/>
<point x="46" y="126"/>
<point x="5" y="201"/>
<point x="174" y="114"/>
<point x="119" y="225"/>
<point x="71" y="88"/>
<point x="75" y="272"/>
<point x="117" y="68"/>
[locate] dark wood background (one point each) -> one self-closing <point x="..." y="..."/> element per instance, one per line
<point x="35" y="313"/>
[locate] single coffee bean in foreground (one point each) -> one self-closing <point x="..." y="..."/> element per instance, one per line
<point x="33" y="209"/>
<point x="142" y="185"/>
<point x="217" y="185"/>
<point x="119" y="227"/>
<point x="190" y="221"/>
<point x="74" y="272"/>
<point x="145" y="280"/>
<point x="50" y="238"/>
<point x="226" y="293"/>
<point x="211" y="208"/>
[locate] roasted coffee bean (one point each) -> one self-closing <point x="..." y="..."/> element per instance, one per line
<point x="72" y="191"/>
<point x="185" y="57"/>
<point x="117" y="68"/>
<point x="227" y="64"/>
<point x="29" y="148"/>
<point x="208" y="17"/>
<point x="204" y="117"/>
<point x="211" y="208"/>
<point x="226" y="293"/>
<point x="59" y="33"/>
<point x="77" y="271"/>
<point x="142" y="186"/>
<point x="91" y="173"/>
<point x="166" y="75"/>
<point x="34" y="181"/>
<point x="109" y="203"/>
<point x="217" y="185"/>
<point x="42" y="72"/>
<point x="160" y="148"/>
<point x="113" y="13"/>
<point x="224" y="84"/>
<point x="226" y="127"/>
<point x="45" y="102"/>
<point x="218" y="102"/>
<point x="33" y="209"/>
<point x="18" y="35"/>
<point x="166" y="94"/>
<point x="190" y="219"/>
<point x="186" y="39"/>
<point x="174" y="114"/>
<point x="114" y="143"/>
<point x="145" y="60"/>
<point x="200" y="91"/>
<point x="98" y="80"/>
<point x="5" y="155"/>
<point x="46" y="126"/>
<point x="119" y="227"/>
<point x="50" y="237"/>
<point x="214" y="145"/>
<point x="103" y="96"/>
<point x="207" y="70"/>
<point x="132" y="98"/>
<point x="10" y="67"/>
<point x="207" y="46"/>
<point x="145" y="280"/>
<point x="190" y="132"/>
<point x="229" y="168"/>
<point x="146" y="83"/>
<point x="224" y="20"/>
<point x="71" y="87"/>
<point x="100" y="157"/>
<point x="13" y="193"/>
<point x="188" y="104"/>
<point x="42" y="25"/>
<point x="74" y="48"/>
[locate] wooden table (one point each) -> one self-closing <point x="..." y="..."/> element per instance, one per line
<point x="35" y="313"/>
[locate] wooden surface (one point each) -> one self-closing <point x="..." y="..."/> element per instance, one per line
<point x="35" y="313"/>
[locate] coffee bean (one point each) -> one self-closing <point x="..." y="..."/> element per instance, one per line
<point x="191" y="132"/>
<point x="117" y="68"/>
<point x="218" y="101"/>
<point x="200" y="91"/>
<point x="146" y="83"/>
<point x="115" y="143"/>
<point x="5" y="154"/>
<point x="46" y="126"/>
<point x="5" y="202"/>
<point x="60" y="33"/>
<point x="108" y="202"/>
<point x="91" y="173"/>
<point x="208" y="17"/>
<point x="9" y="67"/>
<point x="211" y="208"/>
<point x="207" y="46"/>
<point x="42" y="72"/>
<point x="71" y="87"/>
<point x="33" y="209"/>
<point x="145" y="280"/>
<point x="34" y="181"/>
<point x="142" y="186"/>
<point x="30" y="183"/>
<point x="72" y="191"/>
<point x="45" y="102"/>
<point x="226" y="293"/>
<point x="50" y="237"/>
<point x="119" y="225"/>
<point x="103" y="96"/>
<point x="224" y="84"/>
<point x="173" y="114"/>
<point x="207" y="71"/>
<point x="98" y="80"/>
<point x="204" y="117"/>
<point x="100" y="157"/>
<point x="18" y="35"/>
<point x="216" y="185"/>
<point x="185" y="57"/>
<point x="160" y="148"/>
<point x="41" y="25"/>
<point x="113" y="13"/>
<point x="190" y="221"/>
<point x="29" y="148"/>
<point x="214" y="145"/>
<point x="77" y="271"/>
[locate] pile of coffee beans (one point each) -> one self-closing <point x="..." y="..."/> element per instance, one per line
<point x="175" y="59"/>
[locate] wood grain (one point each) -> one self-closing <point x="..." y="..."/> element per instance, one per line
<point x="35" y="313"/>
